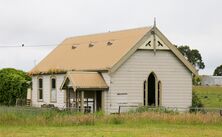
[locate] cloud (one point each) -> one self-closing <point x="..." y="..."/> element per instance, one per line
<point x="185" y="22"/>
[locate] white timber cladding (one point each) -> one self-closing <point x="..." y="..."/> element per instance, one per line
<point x="106" y="94"/>
<point x="47" y="89"/>
<point x="126" y="84"/>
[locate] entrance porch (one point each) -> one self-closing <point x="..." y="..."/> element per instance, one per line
<point x="84" y="91"/>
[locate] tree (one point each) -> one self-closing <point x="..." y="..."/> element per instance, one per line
<point x="218" y="71"/>
<point x="193" y="56"/>
<point x="13" y="85"/>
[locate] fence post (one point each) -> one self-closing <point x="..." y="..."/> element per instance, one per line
<point x="119" y="110"/>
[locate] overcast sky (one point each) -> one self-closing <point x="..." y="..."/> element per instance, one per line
<point x="197" y="23"/>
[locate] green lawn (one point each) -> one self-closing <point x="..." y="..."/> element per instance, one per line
<point x="210" y="96"/>
<point x="123" y="130"/>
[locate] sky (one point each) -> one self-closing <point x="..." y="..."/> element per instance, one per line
<point x="197" y="23"/>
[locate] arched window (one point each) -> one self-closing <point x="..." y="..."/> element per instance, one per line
<point x="152" y="90"/>
<point x="144" y="92"/>
<point x="159" y="93"/>
<point x="53" y="92"/>
<point x="40" y="89"/>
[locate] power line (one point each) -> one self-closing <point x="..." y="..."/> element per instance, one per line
<point x="68" y="44"/>
<point x="28" y="46"/>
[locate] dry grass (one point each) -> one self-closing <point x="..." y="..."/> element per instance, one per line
<point x="57" y="118"/>
<point x="37" y="122"/>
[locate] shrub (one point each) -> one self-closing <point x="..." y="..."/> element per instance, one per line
<point x="196" y="103"/>
<point x="196" y="80"/>
<point x="13" y="85"/>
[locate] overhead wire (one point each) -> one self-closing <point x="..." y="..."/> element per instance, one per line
<point x="51" y="45"/>
<point x="26" y="46"/>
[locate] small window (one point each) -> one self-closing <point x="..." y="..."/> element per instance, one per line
<point x="40" y="83"/>
<point x="40" y="89"/>
<point x="144" y="92"/>
<point x="53" y="83"/>
<point x="53" y="90"/>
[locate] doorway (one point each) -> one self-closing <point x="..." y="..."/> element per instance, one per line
<point x="92" y="101"/>
<point x="152" y="90"/>
<point x="98" y="100"/>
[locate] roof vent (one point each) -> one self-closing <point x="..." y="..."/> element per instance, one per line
<point x="74" y="47"/>
<point x="109" y="43"/>
<point x="91" y="44"/>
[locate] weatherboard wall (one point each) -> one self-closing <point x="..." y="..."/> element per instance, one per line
<point x="126" y="84"/>
<point x="46" y="90"/>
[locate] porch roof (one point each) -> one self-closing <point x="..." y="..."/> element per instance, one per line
<point x="85" y="80"/>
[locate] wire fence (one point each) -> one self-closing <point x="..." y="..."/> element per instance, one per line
<point x="121" y="109"/>
<point x="46" y="111"/>
<point x="89" y="117"/>
<point x="132" y="108"/>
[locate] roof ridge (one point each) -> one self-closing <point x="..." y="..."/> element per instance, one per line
<point x="102" y="33"/>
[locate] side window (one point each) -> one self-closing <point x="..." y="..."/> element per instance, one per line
<point x="40" y="89"/>
<point x="144" y="92"/>
<point x="53" y="92"/>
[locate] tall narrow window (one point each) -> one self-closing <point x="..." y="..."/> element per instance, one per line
<point x="152" y="90"/>
<point x="53" y="89"/>
<point x="144" y="92"/>
<point x="159" y="93"/>
<point x="40" y="89"/>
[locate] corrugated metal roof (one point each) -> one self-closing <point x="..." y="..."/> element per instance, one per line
<point x="90" y="52"/>
<point x="86" y="80"/>
<point x="99" y="52"/>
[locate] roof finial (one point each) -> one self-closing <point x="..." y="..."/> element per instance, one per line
<point x="154" y="22"/>
<point x="154" y="36"/>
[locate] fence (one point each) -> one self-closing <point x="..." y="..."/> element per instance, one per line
<point x="122" y="109"/>
<point x="132" y="108"/>
<point x="38" y="110"/>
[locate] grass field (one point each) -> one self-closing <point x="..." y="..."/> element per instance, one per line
<point x="18" y="122"/>
<point x="210" y="96"/>
<point x="26" y="122"/>
<point x="150" y="129"/>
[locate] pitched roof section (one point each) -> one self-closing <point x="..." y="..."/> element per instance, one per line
<point x="91" y="52"/>
<point x="86" y="80"/>
<point x="99" y="52"/>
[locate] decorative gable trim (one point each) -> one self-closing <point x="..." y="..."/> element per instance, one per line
<point x="145" y="41"/>
<point x="149" y="44"/>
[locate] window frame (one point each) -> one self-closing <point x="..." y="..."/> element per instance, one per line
<point x="51" y="89"/>
<point x="38" y="90"/>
